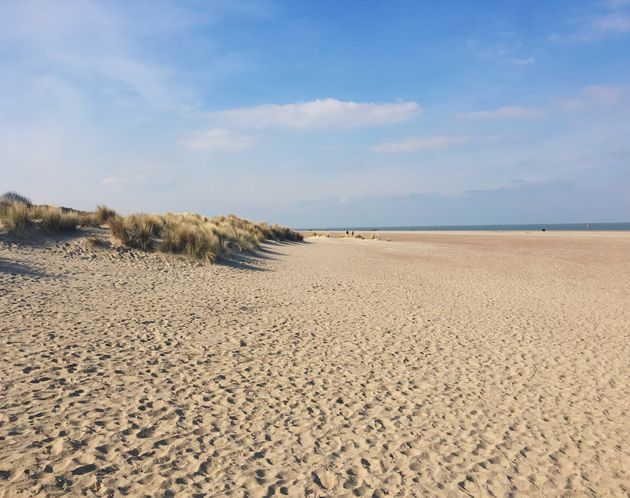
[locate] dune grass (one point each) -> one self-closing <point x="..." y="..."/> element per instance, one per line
<point x="342" y="235"/>
<point x="54" y="219"/>
<point x="14" y="197"/>
<point x="193" y="235"/>
<point x="15" y="216"/>
<point x="18" y="217"/>
<point x="137" y="230"/>
<point x="18" y="214"/>
<point x="103" y="214"/>
<point x="193" y="240"/>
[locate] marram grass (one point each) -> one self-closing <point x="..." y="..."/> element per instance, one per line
<point x="193" y="235"/>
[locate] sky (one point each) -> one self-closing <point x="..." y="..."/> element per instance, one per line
<point x="316" y="114"/>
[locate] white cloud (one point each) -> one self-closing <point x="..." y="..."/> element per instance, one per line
<point x="492" y="51"/>
<point x="138" y="174"/>
<point x="324" y="113"/>
<point x="112" y="180"/>
<point x="508" y="49"/>
<point x="506" y="112"/>
<point x="616" y="22"/>
<point x="427" y="143"/>
<point x="610" y="19"/>
<point x="216" y="139"/>
<point x="596" y="96"/>
<point x="94" y="48"/>
<point x="524" y="61"/>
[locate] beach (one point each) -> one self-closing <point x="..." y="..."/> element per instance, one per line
<point x="420" y="364"/>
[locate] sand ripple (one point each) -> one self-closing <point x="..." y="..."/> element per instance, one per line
<point x="479" y="366"/>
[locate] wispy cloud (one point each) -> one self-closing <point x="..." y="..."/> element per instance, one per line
<point x="112" y="180"/>
<point x="596" y="97"/>
<point x="138" y="175"/>
<point x="125" y="52"/>
<point x="609" y="18"/>
<point x="506" y="112"/>
<point x="92" y="47"/>
<point x="521" y="61"/>
<point x="508" y="50"/>
<point x="319" y="114"/>
<point x="426" y="143"/>
<point x="216" y="139"/>
<point x="616" y="22"/>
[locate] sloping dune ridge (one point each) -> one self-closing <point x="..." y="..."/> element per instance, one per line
<point x="427" y="364"/>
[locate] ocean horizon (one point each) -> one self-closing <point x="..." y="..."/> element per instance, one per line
<point x="621" y="226"/>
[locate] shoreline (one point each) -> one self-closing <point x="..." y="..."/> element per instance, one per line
<point x="524" y="227"/>
<point x="411" y="235"/>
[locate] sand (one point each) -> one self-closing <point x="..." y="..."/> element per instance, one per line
<point x="435" y="364"/>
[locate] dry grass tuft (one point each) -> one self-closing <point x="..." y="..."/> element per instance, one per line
<point x="136" y="230"/>
<point x="118" y="230"/>
<point x="56" y="220"/>
<point x="15" y="216"/>
<point x="14" y="197"/>
<point x="342" y="235"/>
<point x="140" y="230"/>
<point x="195" y="235"/>
<point x="363" y="236"/>
<point x="193" y="240"/>
<point x="88" y="220"/>
<point x="103" y="214"/>
<point x="4" y="207"/>
<point x="20" y="215"/>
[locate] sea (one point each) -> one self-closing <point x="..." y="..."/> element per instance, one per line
<point x="625" y="226"/>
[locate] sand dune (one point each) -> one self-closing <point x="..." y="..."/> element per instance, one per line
<point x="434" y="364"/>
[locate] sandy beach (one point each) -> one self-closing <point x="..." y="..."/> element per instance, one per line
<point x="451" y="364"/>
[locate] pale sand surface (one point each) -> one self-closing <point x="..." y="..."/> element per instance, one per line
<point x="438" y="364"/>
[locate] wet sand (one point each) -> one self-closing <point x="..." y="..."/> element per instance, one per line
<point x="455" y="364"/>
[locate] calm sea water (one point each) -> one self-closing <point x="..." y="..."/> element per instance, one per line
<point x="520" y="228"/>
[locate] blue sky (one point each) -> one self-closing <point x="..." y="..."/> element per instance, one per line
<point x="321" y="113"/>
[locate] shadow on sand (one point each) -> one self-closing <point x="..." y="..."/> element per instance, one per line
<point x="10" y="267"/>
<point x="268" y="251"/>
<point x="254" y="261"/>
<point x="39" y="238"/>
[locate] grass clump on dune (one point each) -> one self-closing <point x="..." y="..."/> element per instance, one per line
<point x="103" y="214"/>
<point x="56" y="220"/>
<point x="15" y="198"/>
<point x="15" y="216"/>
<point x="195" y="235"/>
<point x="137" y="230"/>
<point x="14" y="211"/>
<point x="192" y="240"/>
<point x="18" y="214"/>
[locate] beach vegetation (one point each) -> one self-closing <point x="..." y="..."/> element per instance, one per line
<point x="14" y="197"/>
<point x="57" y="220"/>
<point x="193" y="235"/>
<point x="103" y="214"/>
<point x="15" y="216"/>
<point x="196" y="235"/>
